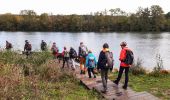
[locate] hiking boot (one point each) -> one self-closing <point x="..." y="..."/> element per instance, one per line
<point x="89" y="76"/>
<point x="124" y="87"/>
<point x="94" y="76"/>
<point x="115" y="82"/>
<point x="104" y="91"/>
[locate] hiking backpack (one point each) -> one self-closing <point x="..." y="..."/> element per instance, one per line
<point x="73" y="53"/>
<point x="91" y="62"/>
<point x="129" y="57"/>
<point x="10" y="45"/>
<point x="66" y="54"/>
<point x="55" y="50"/>
<point x="83" y="51"/>
<point x="29" y="47"/>
<point x="109" y="59"/>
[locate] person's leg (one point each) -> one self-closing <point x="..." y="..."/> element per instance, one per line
<point x="73" y="63"/>
<point x="119" y="75"/>
<point x="81" y="65"/>
<point x="89" y="72"/>
<point x="67" y="61"/>
<point x="93" y="72"/>
<point x="63" y="62"/>
<point x="106" y="76"/>
<point x="126" y="77"/>
<point x="103" y="80"/>
<point x="84" y="64"/>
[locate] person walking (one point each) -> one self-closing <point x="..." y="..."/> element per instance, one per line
<point x="105" y="63"/>
<point x="82" y="56"/>
<point x="27" y="48"/>
<point x="54" y="50"/>
<point x="43" y="45"/>
<point x="126" y="59"/>
<point x="91" y="63"/>
<point x="65" y="57"/>
<point x="73" y="55"/>
<point x="8" y="45"/>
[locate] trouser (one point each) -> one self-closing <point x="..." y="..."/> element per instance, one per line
<point x="73" y="63"/>
<point x="82" y="64"/>
<point x="121" y="69"/>
<point x="59" y="57"/>
<point x="104" y="76"/>
<point x="65" y="60"/>
<point x="28" y="52"/>
<point x="91" y="70"/>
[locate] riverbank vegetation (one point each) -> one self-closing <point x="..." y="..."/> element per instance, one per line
<point x="155" y="82"/>
<point x="38" y="77"/>
<point x="145" y="19"/>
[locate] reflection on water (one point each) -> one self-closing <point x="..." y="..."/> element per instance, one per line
<point x="144" y="45"/>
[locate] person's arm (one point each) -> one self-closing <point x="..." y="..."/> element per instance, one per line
<point x="79" y="52"/>
<point x="99" y="60"/>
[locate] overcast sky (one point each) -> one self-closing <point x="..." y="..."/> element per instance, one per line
<point x="77" y="6"/>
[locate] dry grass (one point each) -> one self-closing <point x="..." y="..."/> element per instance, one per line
<point x="38" y="77"/>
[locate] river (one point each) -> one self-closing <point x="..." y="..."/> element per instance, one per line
<point x="144" y="45"/>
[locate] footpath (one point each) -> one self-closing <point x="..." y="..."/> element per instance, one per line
<point x="114" y="92"/>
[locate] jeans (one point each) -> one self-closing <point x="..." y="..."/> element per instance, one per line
<point x="104" y="76"/>
<point x="121" y="69"/>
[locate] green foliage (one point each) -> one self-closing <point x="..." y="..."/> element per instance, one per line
<point x="137" y="69"/>
<point x="145" y="19"/>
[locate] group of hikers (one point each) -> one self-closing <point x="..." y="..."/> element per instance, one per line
<point x="88" y="61"/>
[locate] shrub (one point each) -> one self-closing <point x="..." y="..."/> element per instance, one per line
<point x="137" y="69"/>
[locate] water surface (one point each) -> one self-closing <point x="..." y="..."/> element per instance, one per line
<point x="145" y="45"/>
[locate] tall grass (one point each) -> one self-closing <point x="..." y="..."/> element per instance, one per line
<point x="37" y="77"/>
<point x="159" y="70"/>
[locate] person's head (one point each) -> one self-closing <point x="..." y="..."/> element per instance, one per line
<point x="90" y="51"/>
<point x="81" y="43"/>
<point x="42" y="40"/>
<point x="26" y="41"/>
<point x="7" y="42"/>
<point x="123" y="44"/>
<point x="65" y="48"/>
<point x="54" y="43"/>
<point x="105" y="45"/>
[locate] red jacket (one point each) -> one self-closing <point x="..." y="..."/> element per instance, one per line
<point x="123" y="56"/>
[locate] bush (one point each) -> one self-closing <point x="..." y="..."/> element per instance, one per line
<point x="137" y="68"/>
<point x="158" y="70"/>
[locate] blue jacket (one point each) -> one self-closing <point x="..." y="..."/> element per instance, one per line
<point x="90" y="55"/>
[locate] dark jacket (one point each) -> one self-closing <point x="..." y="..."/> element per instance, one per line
<point x="72" y="53"/>
<point x="102" y="60"/>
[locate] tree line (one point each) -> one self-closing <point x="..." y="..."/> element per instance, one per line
<point x="144" y="19"/>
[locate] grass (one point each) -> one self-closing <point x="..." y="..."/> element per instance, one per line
<point x="158" y="86"/>
<point x="38" y="77"/>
